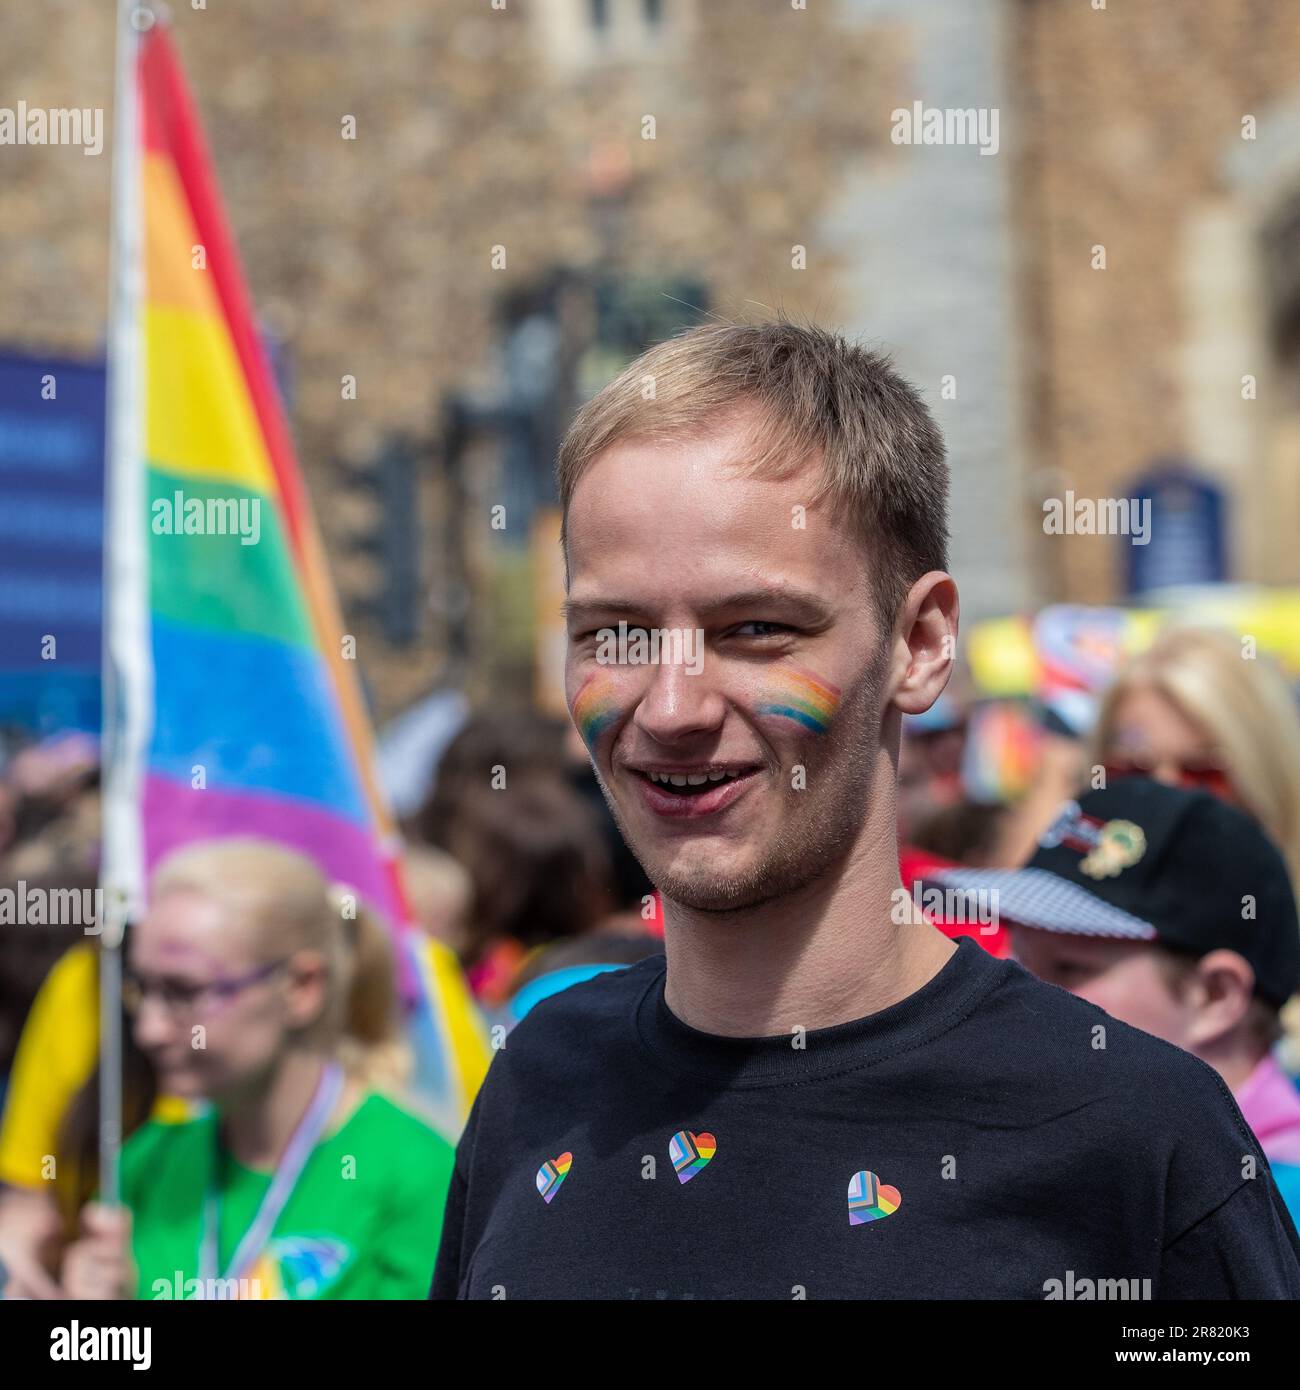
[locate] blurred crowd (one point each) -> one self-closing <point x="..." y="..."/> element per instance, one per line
<point x="511" y="862"/>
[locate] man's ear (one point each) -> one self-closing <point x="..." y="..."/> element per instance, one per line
<point x="925" y="643"/>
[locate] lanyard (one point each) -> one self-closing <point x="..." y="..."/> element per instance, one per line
<point x="288" y="1170"/>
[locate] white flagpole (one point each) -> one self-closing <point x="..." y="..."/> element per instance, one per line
<point x="128" y="665"/>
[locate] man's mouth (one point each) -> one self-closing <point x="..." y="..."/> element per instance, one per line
<point x="689" y="783"/>
<point x="692" y="791"/>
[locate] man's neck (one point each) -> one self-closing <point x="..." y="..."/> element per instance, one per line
<point x="829" y="953"/>
<point x="257" y="1127"/>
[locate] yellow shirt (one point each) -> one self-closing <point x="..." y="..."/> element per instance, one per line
<point x="55" y="1058"/>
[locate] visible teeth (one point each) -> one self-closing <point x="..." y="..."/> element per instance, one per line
<point x="689" y="779"/>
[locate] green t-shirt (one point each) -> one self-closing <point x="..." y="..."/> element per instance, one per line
<point x="363" y="1220"/>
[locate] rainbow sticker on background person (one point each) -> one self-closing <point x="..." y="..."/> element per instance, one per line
<point x="690" y="1153"/>
<point x="551" y="1174"/>
<point x="791" y="693"/>
<point x="594" y="708"/>
<point x="298" y="1267"/>
<point x="870" y="1199"/>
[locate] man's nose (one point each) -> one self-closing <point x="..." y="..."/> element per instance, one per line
<point x="679" y="703"/>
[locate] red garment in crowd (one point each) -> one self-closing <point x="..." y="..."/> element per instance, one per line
<point x="492" y="977"/>
<point x="914" y="864"/>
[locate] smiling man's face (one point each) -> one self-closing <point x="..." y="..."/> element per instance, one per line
<point x="778" y="735"/>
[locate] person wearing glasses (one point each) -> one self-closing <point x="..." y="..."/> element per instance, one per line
<point x="250" y="986"/>
<point x="1197" y="709"/>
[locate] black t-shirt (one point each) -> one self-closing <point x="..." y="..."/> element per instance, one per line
<point x="990" y="1136"/>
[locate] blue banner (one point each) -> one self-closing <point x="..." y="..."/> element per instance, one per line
<point x="51" y="541"/>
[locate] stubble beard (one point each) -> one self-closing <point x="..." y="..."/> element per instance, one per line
<point x="817" y="827"/>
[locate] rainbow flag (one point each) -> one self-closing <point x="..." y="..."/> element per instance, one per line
<point x="236" y="677"/>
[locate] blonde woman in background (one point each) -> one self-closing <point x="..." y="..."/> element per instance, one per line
<point x="251" y="989"/>
<point x="1191" y="711"/>
<point x="1194" y="711"/>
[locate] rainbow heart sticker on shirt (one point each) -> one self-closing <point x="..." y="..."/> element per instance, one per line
<point x="551" y="1174"/>
<point x="870" y="1199"/>
<point x="690" y="1153"/>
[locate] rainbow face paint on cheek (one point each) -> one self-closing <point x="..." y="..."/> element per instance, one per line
<point x="594" y="709"/>
<point x="790" y="693"/>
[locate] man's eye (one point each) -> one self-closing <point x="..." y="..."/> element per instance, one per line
<point x="759" y="629"/>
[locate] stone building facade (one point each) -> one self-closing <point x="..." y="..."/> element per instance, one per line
<point x="1169" y="134"/>
<point x="745" y="148"/>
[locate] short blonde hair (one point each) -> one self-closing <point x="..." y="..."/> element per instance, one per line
<point x="818" y="396"/>
<point x="1246" y="710"/>
<point x="290" y="906"/>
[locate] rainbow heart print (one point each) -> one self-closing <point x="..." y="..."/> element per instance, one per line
<point x="594" y="708"/>
<point x="691" y="1153"/>
<point x="551" y="1174"/>
<point x="790" y="693"/>
<point x="870" y="1199"/>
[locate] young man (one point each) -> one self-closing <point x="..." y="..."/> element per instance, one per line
<point x="1190" y="933"/>
<point x="817" y="1095"/>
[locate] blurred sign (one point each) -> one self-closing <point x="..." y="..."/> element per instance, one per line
<point x="1187" y="531"/>
<point x="1068" y="647"/>
<point x="51" y="541"/>
<point x="1002" y="657"/>
<point x="1079" y="650"/>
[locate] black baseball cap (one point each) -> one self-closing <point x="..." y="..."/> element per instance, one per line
<point x="1141" y="861"/>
